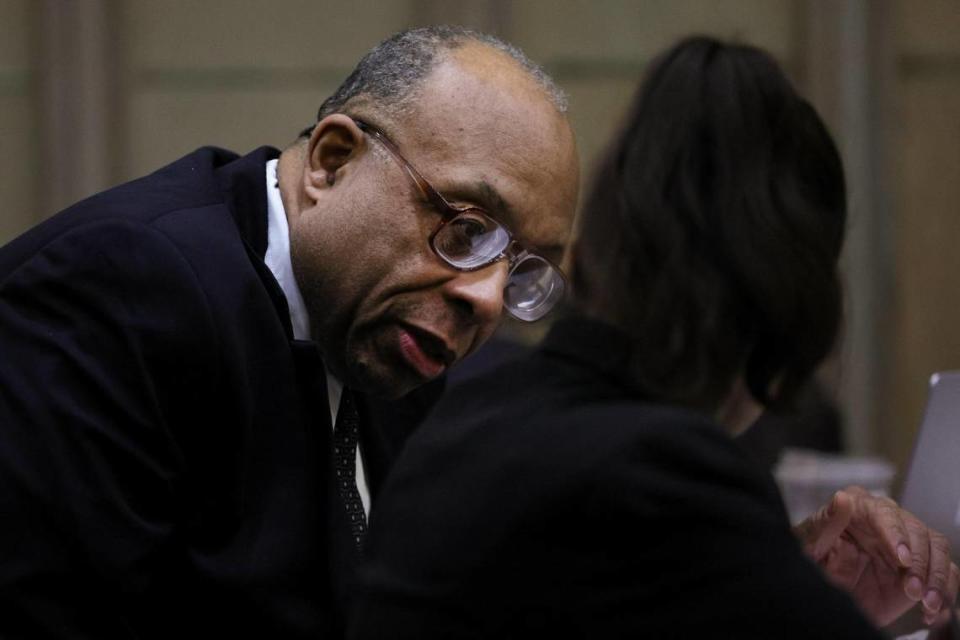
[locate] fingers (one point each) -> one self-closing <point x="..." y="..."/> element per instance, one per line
<point x="942" y="619"/>
<point x="879" y="527"/>
<point x="953" y="586"/>
<point x="931" y="578"/>
<point x="938" y="573"/>
<point x="844" y="565"/>
<point x="915" y="555"/>
<point x="916" y="576"/>
<point x="820" y="532"/>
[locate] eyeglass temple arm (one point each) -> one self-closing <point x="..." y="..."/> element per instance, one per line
<point x="429" y="192"/>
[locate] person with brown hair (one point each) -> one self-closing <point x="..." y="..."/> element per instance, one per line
<point x="593" y="489"/>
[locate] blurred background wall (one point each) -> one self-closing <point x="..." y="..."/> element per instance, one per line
<point x="94" y="92"/>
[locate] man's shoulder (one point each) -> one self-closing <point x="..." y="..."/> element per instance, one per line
<point x="188" y="182"/>
<point x="158" y="201"/>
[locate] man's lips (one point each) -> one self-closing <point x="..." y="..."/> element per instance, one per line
<point x="425" y="352"/>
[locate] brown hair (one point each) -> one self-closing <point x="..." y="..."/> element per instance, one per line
<point x="713" y="229"/>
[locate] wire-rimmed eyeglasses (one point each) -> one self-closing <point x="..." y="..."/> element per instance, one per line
<point x="468" y="239"/>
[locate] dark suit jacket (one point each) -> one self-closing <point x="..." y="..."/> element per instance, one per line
<point x="164" y="442"/>
<point x="548" y="500"/>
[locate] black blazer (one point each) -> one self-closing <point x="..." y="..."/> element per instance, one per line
<point x="548" y="500"/>
<point x="164" y="442"/>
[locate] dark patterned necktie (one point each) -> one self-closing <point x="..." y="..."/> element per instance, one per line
<point x="345" y="437"/>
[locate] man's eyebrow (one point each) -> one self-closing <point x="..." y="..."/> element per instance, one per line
<point x="484" y="195"/>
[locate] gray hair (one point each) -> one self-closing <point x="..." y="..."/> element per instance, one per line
<point x="390" y="73"/>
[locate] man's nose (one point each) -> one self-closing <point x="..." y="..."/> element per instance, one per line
<point x="479" y="294"/>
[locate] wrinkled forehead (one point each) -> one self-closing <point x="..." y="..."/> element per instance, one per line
<point x="482" y="128"/>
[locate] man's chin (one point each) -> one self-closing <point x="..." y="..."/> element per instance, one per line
<point x="382" y="382"/>
<point x="381" y="367"/>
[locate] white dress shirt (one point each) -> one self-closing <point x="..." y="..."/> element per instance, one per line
<point x="278" y="261"/>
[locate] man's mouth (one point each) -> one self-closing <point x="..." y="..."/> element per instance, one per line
<point x="425" y="352"/>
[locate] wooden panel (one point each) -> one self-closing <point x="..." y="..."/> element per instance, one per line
<point x="252" y="33"/>
<point x="17" y="162"/>
<point x="14" y="35"/>
<point x="237" y="73"/>
<point x="927" y="232"/>
<point x="17" y="166"/>
<point x="597" y="109"/>
<point x="166" y="124"/>
<point x="638" y="30"/>
<point x="928" y="27"/>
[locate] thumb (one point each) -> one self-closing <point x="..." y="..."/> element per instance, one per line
<point x="819" y="532"/>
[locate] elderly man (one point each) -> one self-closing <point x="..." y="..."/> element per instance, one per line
<point x="190" y="359"/>
<point x="167" y="453"/>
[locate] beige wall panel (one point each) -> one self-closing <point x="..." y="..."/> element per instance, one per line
<point x="928" y="26"/>
<point x="253" y="33"/>
<point x="14" y="35"/>
<point x="17" y="167"/>
<point x="597" y="108"/>
<point x="926" y="233"/>
<point x="638" y="30"/>
<point x="165" y="125"/>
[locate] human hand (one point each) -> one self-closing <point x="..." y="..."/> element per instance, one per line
<point x="885" y="557"/>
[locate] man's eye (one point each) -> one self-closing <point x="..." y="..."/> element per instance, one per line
<point x="468" y="227"/>
<point x="468" y="235"/>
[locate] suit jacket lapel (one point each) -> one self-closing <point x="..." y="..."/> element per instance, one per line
<point x="244" y="186"/>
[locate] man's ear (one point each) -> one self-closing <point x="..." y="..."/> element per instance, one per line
<point x="335" y="141"/>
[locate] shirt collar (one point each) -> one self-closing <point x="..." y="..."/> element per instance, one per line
<point x="277" y="257"/>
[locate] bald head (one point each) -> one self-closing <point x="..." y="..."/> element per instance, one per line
<point x="389" y="77"/>
<point x="480" y="112"/>
<point x="483" y="134"/>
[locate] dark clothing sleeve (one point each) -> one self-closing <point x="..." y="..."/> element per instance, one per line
<point x="602" y="520"/>
<point x="164" y="440"/>
<point x="97" y="377"/>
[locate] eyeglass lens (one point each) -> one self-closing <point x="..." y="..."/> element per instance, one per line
<point x="472" y="240"/>
<point x="533" y="289"/>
